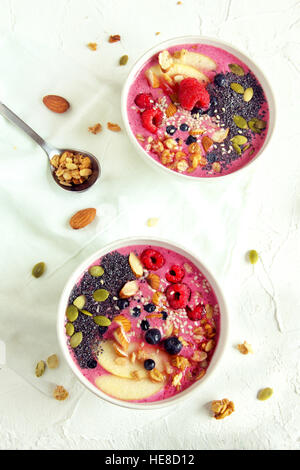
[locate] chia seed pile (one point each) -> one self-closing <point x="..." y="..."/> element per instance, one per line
<point x="116" y="273"/>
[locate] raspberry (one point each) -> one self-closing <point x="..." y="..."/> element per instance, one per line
<point x="192" y="93"/>
<point x="151" y="119"/>
<point x="144" y="100"/>
<point x="152" y="259"/>
<point x="196" y="313"/>
<point x="178" y="295"/>
<point x="176" y="274"/>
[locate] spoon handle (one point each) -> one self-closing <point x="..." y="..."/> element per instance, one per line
<point x="6" y="112"/>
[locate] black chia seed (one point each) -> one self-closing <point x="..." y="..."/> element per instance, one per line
<point x="116" y="273"/>
<point x="234" y="103"/>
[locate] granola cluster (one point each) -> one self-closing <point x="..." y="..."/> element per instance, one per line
<point x="222" y="408"/>
<point x="71" y="168"/>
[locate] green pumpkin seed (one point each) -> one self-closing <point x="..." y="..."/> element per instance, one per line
<point x="39" y="269"/>
<point x="40" y="368"/>
<point x="96" y="271"/>
<point x="240" y="122"/>
<point x="237" y="88"/>
<point x="69" y="329"/>
<point x="237" y="148"/>
<point x="246" y="147"/>
<point x="72" y="313"/>
<point x="248" y="95"/>
<point x="260" y="124"/>
<point x="101" y="320"/>
<point x="79" y="302"/>
<point x="100" y="295"/>
<point x="251" y="152"/>
<point x="253" y="256"/>
<point x="252" y="126"/>
<point x="265" y="394"/>
<point x="237" y="69"/>
<point x="76" y="340"/>
<point x="124" y="59"/>
<point x="239" y="139"/>
<point x="85" y="312"/>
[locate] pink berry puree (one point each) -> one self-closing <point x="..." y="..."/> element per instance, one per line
<point x="144" y="327"/>
<point x="213" y="114"/>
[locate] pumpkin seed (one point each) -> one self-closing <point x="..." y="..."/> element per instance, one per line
<point x="96" y="271"/>
<point x="239" y="139"/>
<point x="72" y="313"/>
<point x="85" y="312"/>
<point x="237" y="69"/>
<point x="237" y="88"/>
<point x="251" y="152"/>
<point x="69" y="329"/>
<point x="265" y="393"/>
<point x="100" y="295"/>
<point x="260" y="124"/>
<point x="246" y="147"/>
<point x="248" y="95"/>
<point x="124" y="59"/>
<point x="240" y="122"/>
<point x="38" y="269"/>
<point x="40" y="368"/>
<point x="252" y="126"/>
<point x="237" y="148"/>
<point x="79" y="302"/>
<point x="76" y="340"/>
<point x="101" y="320"/>
<point x="253" y="256"/>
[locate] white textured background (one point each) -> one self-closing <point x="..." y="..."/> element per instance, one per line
<point x="43" y="51"/>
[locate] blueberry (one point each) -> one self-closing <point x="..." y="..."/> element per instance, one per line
<point x="219" y="79"/>
<point x="184" y="127"/>
<point x="211" y="157"/>
<point x="150" y="308"/>
<point x="136" y="311"/>
<point x="173" y="345"/>
<point x="197" y="110"/>
<point x="145" y="325"/>
<point x="102" y="330"/>
<point x="92" y="363"/>
<point x="153" y="336"/>
<point x="190" y="139"/>
<point x="123" y="303"/>
<point x="171" y="130"/>
<point x="164" y="315"/>
<point x="149" y="364"/>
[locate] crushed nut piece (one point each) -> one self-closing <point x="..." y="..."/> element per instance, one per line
<point x="52" y="361"/>
<point x="92" y="45"/>
<point x="60" y="393"/>
<point x="157" y="298"/>
<point x="180" y="362"/>
<point x="171" y="110"/>
<point x="222" y="408"/>
<point x="156" y="376"/>
<point x="113" y="127"/>
<point x="177" y="379"/>
<point x="199" y="356"/>
<point x="245" y="348"/>
<point x="68" y="167"/>
<point x="114" y="38"/>
<point x="137" y="375"/>
<point x="96" y="128"/>
<point x="141" y="355"/>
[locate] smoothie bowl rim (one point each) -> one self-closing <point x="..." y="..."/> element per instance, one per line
<point x="193" y="39"/>
<point x="159" y="242"/>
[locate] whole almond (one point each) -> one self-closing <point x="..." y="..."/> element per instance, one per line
<point x="55" y="103"/>
<point x="129" y="290"/>
<point x="82" y="218"/>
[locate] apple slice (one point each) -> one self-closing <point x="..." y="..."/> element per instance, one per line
<point x="126" y="389"/>
<point x="154" y="74"/>
<point x="194" y="59"/>
<point x="187" y="71"/>
<point x="107" y="360"/>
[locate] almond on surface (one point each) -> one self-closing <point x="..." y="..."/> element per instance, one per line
<point x="82" y="218"/>
<point x="56" y="103"/>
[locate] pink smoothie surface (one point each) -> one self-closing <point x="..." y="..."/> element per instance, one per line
<point x="183" y="327"/>
<point x="229" y="104"/>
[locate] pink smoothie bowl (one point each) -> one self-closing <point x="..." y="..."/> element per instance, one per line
<point x="222" y="340"/>
<point x="190" y="40"/>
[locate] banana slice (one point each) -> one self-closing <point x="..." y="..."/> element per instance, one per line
<point x="126" y="389"/>
<point x="194" y="59"/>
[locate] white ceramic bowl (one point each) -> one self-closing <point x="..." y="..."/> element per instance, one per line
<point x="155" y="242"/>
<point x="195" y="40"/>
